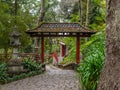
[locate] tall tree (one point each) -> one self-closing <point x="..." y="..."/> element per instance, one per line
<point x="80" y="11"/>
<point x="26" y="19"/>
<point x="110" y="76"/>
<point x="87" y="13"/>
<point x="40" y="20"/>
<point x="42" y="11"/>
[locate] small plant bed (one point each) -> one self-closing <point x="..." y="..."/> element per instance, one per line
<point x="30" y="65"/>
<point x="20" y="76"/>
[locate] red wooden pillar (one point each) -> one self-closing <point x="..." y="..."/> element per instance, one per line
<point x="63" y="50"/>
<point x="42" y="49"/>
<point x="77" y="49"/>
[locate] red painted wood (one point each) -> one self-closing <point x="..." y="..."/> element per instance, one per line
<point x="77" y="50"/>
<point x="63" y="50"/>
<point x="55" y="56"/>
<point x="42" y="49"/>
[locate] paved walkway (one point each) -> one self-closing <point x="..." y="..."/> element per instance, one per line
<point x="52" y="79"/>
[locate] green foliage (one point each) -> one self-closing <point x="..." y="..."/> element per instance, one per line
<point x="91" y="65"/>
<point x="71" y="57"/>
<point x="31" y="65"/>
<point x="74" y="18"/>
<point x="5" y="25"/>
<point x="25" y="19"/>
<point x="97" y="14"/>
<point x="3" y="57"/>
<point x="93" y="59"/>
<point x="50" y="14"/>
<point x="3" y="73"/>
<point x="28" y="49"/>
<point x="21" y="76"/>
<point x="100" y="36"/>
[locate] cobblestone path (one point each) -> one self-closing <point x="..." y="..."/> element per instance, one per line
<point x="52" y="79"/>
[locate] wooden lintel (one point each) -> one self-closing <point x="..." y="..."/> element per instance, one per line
<point x="57" y="35"/>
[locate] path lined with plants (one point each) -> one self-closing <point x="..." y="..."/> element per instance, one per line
<point x="53" y="79"/>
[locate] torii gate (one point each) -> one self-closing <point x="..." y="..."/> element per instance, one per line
<point x="61" y="30"/>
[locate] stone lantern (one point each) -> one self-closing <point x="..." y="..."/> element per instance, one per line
<point x="14" y="42"/>
<point x="15" y="64"/>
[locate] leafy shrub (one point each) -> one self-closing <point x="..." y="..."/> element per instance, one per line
<point x="91" y="66"/>
<point x="31" y="65"/>
<point x="4" y="58"/>
<point x="21" y="76"/>
<point x="3" y="72"/>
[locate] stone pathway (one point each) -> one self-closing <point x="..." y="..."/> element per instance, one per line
<point x="52" y="79"/>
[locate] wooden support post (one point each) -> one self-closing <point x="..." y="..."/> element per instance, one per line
<point x="78" y="50"/>
<point x="63" y="50"/>
<point x="42" y="49"/>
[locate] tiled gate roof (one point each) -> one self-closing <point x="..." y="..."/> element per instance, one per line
<point x="60" y="28"/>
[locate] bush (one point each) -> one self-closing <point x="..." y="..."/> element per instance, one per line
<point x="90" y="68"/>
<point x="3" y="72"/>
<point x="21" y="76"/>
<point x="31" y="65"/>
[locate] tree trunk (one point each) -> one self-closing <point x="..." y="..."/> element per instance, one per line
<point x="87" y="16"/>
<point x="42" y="11"/>
<point x="87" y="13"/>
<point x="110" y="76"/>
<point x="80" y="3"/>
<point x="40" y="20"/>
<point x="15" y="11"/>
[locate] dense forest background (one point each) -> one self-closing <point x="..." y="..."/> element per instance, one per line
<point x="90" y="13"/>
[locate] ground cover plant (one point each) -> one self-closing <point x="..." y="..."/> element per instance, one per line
<point x="3" y="72"/>
<point x="90" y="67"/>
<point x="32" y="68"/>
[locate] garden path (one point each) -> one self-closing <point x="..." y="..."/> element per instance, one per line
<point x="53" y="79"/>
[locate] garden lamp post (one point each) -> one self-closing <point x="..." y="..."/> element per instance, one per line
<point x="14" y="42"/>
<point x="15" y="64"/>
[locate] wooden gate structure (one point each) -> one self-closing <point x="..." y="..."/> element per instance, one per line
<point x="61" y="30"/>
